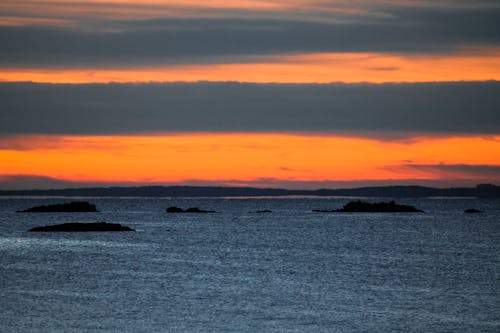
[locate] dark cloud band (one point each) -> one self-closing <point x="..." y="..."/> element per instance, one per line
<point x="463" y="107"/>
<point x="195" y="40"/>
<point x="492" y="171"/>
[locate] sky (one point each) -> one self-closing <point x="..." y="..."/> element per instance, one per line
<point x="292" y="94"/>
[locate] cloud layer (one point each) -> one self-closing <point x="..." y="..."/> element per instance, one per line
<point x="27" y="182"/>
<point x="454" y="108"/>
<point x="170" y="40"/>
<point x="457" y="170"/>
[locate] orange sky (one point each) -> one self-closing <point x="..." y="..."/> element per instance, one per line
<point x="468" y="65"/>
<point x="220" y="157"/>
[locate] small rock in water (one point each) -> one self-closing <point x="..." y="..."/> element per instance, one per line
<point x="377" y="207"/>
<point x="472" y="210"/>
<point x="174" y="209"/>
<point x="70" y="207"/>
<point x="82" y="227"/>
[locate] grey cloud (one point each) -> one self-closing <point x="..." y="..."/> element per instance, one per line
<point x="456" y="108"/>
<point x="24" y="182"/>
<point x="474" y="170"/>
<point x="27" y="182"/>
<point x="190" y="40"/>
<point x="338" y="184"/>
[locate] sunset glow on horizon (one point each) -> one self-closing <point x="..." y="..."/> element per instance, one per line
<point x="246" y="157"/>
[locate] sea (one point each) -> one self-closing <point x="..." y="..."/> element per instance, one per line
<point x="290" y="270"/>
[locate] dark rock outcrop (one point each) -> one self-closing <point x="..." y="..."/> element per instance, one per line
<point x="174" y="209"/>
<point x="472" y="210"/>
<point x="82" y="227"/>
<point x="70" y="207"/>
<point x="197" y="210"/>
<point x="377" y="207"/>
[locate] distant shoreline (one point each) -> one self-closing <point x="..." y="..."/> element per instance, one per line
<point x="480" y="191"/>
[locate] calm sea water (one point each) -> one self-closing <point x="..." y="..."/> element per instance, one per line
<point x="291" y="270"/>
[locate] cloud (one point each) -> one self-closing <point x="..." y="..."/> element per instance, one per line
<point x="23" y="182"/>
<point x="202" y="40"/>
<point x="450" y="108"/>
<point x="456" y="170"/>
<point x="337" y="184"/>
<point x="384" y="69"/>
<point x="27" y="182"/>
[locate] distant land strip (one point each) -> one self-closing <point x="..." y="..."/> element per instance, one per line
<point x="480" y="191"/>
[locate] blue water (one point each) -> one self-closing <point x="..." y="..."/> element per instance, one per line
<point x="291" y="270"/>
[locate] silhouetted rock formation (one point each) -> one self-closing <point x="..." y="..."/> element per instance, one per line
<point x="82" y="227"/>
<point x="197" y="210"/>
<point x="71" y="207"/>
<point x="472" y="210"/>
<point x="377" y="207"/>
<point x="174" y="209"/>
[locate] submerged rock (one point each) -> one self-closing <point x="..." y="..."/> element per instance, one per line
<point x="81" y="227"/>
<point x="70" y="207"/>
<point x="472" y="210"/>
<point x="377" y="207"/>
<point x="262" y="211"/>
<point x="174" y="209"/>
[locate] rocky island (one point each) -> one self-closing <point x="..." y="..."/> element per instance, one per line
<point x="82" y="227"/>
<point x="472" y="211"/>
<point x="70" y="207"/>
<point x="377" y="207"/>
<point x="174" y="209"/>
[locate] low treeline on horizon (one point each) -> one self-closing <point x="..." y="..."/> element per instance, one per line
<point x="480" y="191"/>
